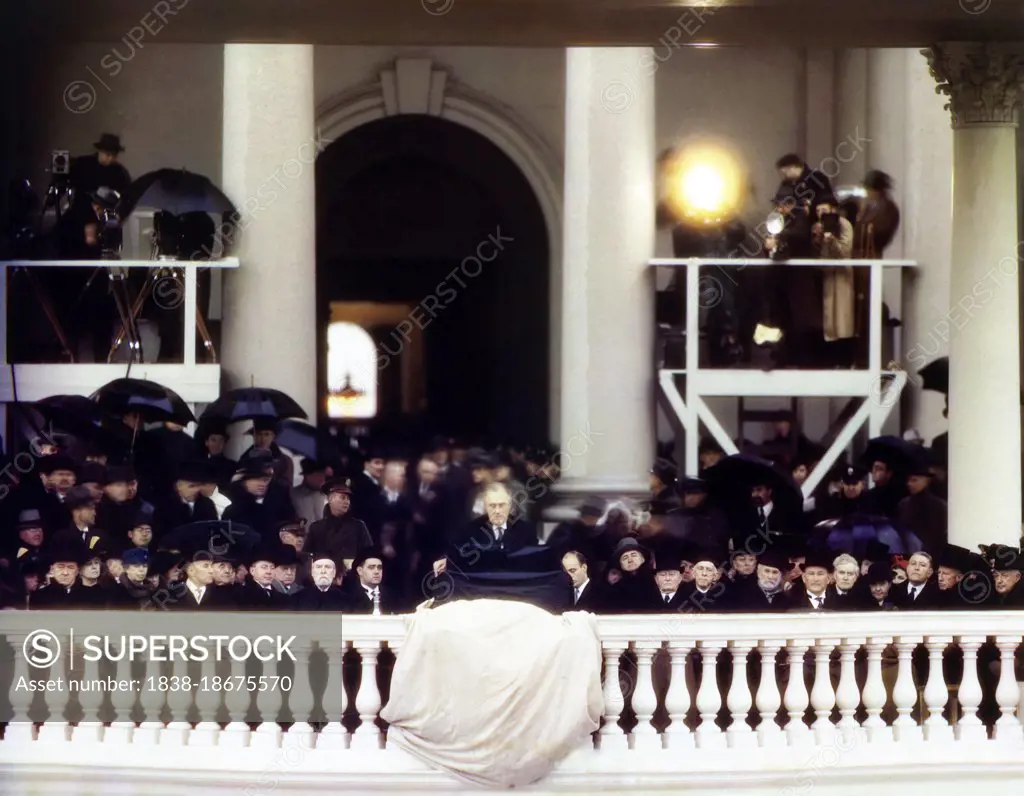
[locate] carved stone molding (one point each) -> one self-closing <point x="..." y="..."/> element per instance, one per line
<point x="984" y="81"/>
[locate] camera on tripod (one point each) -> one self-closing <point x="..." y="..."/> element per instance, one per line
<point x="60" y="163"/>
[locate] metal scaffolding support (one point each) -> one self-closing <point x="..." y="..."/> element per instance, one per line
<point x="878" y="387"/>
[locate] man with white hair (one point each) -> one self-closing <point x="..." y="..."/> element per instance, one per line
<point x="324" y="594"/>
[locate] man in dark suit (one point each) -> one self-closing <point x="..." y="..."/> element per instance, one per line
<point x="323" y="594"/>
<point x="82" y="530"/>
<point x="186" y="504"/>
<point x="212" y="438"/>
<point x="339" y="534"/>
<point x="923" y="512"/>
<point x="254" y="501"/>
<point x="197" y="591"/>
<point x="258" y="593"/>
<point x="368" y="493"/>
<point x="65" y="591"/>
<point x="364" y="586"/>
<point x="668" y="576"/>
<point x="814" y="593"/>
<point x="767" y="519"/>
<point x="765" y="594"/>
<point x="918" y="592"/>
<point x="585" y="594"/>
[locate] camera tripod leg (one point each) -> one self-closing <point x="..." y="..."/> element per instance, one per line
<point x="204" y="332"/>
<point x="128" y="312"/>
<point x="51" y="315"/>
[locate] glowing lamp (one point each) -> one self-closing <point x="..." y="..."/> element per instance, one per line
<point x="703" y="184"/>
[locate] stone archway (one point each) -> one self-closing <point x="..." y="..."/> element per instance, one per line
<point x="417" y="86"/>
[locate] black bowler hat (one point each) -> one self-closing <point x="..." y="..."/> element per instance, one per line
<point x="70" y="552"/>
<point x="78" y="497"/>
<point x="366" y="554"/>
<point x="121" y="474"/>
<point x="92" y="473"/>
<point x="879" y="572"/>
<point x="257" y="467"/>
<point x="819" y="559"/>
<point x="690" y="485"/>
<point x="198" y="472"/>
<point x="109" y="143"/>
<point x="286" y="556"/>
<point x="954" y="557"/>
<point x="775" y="558"/>
<point x="57" y="461"/>
<point x="310" y="466"/>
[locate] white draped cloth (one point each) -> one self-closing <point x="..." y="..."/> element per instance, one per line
<point x="495" y="692"/>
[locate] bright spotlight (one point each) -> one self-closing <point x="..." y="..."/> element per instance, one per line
<point x="703" y="184"/>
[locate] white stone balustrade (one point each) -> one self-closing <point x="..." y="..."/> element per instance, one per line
<point x="847" y="690"/>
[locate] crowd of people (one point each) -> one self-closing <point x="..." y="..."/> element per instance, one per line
<point x="381" y="531"/>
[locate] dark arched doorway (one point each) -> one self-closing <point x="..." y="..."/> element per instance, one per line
<point x="426" y="217"/>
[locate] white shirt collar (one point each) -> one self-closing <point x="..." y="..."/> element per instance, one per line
<point x="767" y="508"/>
<point x="197" y="591"/>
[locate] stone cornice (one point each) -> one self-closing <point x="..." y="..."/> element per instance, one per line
<point x="984" y="81"/>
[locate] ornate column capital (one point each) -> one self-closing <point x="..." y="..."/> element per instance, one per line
<point x="984" y="81"/>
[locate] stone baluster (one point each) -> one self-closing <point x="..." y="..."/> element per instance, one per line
<point x="677" y="700"/>
<point x="207" y="701"/>
<point x="796" y="699"/>
<point x="152" y="701"/>
<point x="236" y="734"/>
<point x="333" y="735"/>
<point x="644" y="700"/>
<point x="768" y="698"/>
<point x="847" y="693"/>
<point x="709" y="698"/>
<point x="56" y="727"/>
<point x="738" y="700"/>
<point x="122" y="701"/>
<point x="300" y="699"/>
<point x="20" y="729"/>
<point x="90" y="728"/>
<point x="179" y="700"/>
<point x="611" y="735"/>
<point x="823" y="696"/>
<point x="970" y="727"/>
<point x="395" y="646"/>
<point x="367" y="735"/>
<point x="905" y="729"/>
<point x="1008" y="727"/>
<point x="267" y="687"/>
<point x="874" y="694"/>
<point x="936" y="694"/>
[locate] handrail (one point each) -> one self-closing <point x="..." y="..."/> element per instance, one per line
<point x="742" y="262"/>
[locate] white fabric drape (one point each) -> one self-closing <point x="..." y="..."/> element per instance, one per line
<point x="495" y="692"/>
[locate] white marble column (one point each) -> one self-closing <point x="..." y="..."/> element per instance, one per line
<point x="607" y="396"/>
<point x="270" y="145"/>
<point x="984" y="83"/>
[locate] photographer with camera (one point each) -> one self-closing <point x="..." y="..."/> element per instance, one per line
<point x="833" y="240"/>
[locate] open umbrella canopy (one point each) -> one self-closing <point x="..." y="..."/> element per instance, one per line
<point x="177" y="191"/>
<point x="152" y="401"/>
<point x="74" y="414"/>
<point x="253" y="403"/>
<point x="935" y="375"/>
<point x="896" y="452"/>
<point x="853" y="534"/>
<point x="741" y="471"/>
<point x="308" y="441"/>
<point x="215" y="538"/>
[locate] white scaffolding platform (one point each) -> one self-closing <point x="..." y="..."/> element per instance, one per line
<point x="196" y="383"/>
<point x="880" y="386"/>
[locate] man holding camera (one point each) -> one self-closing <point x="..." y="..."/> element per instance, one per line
<point x="833" y="240"/>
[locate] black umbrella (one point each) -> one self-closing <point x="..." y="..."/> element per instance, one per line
<point x="177" y="191"/>
<point x="935" y="375"/>
<point x="253" y="403"/>
<point x="152" y="401"/>
<point x="213" y="538"/>
<point x="75" y="414"/>
<point x="899" y="454"/>
<point x="741" y="471"/>
<point x="308" y="441"/>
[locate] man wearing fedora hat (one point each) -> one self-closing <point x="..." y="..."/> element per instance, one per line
<point x="254" y="499"/>
<point x="82" y="530"/>
<point x="89" y="173"/>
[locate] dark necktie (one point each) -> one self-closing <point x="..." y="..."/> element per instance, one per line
<point x="668" y="599"/>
